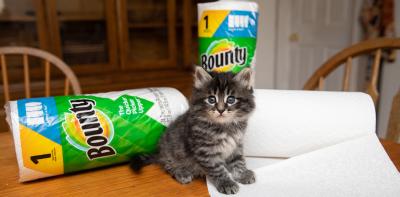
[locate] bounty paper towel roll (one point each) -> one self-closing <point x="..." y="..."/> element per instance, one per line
<point x="227" y="35"/>
<point x="63" y="134"/>
<point x="289" y="123"/>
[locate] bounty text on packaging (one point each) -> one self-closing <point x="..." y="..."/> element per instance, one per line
<point x="63" y="134"/>
<point x="227" y="35"/>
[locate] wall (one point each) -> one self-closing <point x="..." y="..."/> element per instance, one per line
<point x="267" y="41"/>
<point x="390" y="83"/>
<point x="266" y="59"/>
<point x="265" y="63"/>
<point x="1" y="6"/>
<point x="291" y="75"/>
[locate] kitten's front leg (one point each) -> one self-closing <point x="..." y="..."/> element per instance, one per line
<point x="216" y="170"/>
<point x="237" y="166"/>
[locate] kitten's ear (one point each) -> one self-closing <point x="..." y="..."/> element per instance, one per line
<point x="201" y="77"/>
<point x="245" y="77"/>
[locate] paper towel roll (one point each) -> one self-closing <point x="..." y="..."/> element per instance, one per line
<point x="289" y="123"/>
<point x="63" y="134"/>
<point x="227" y="35"/>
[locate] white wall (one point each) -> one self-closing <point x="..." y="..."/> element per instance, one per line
<point x="266" y="51"/>
<point x="265" y="62"/>
<point x="292" y="76"/>
<point x="390" y="83"/>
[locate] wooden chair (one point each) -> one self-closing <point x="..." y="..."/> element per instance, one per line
<point x="394" y="120"/>
<point x="346" y="56"/>
<point x="49" y="59"/>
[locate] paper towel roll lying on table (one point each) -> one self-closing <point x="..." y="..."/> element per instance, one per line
<point x="329" y="138"/>
<point x="63" y="134"/>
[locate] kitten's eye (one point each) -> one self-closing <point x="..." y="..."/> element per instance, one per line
<point x="212" y="100"/>
<point x="231" y="100"/>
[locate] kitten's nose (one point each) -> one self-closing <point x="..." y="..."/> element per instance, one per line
<point x="220" y="110"/>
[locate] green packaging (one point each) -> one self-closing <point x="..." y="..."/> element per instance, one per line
<point x="63" y="134"/>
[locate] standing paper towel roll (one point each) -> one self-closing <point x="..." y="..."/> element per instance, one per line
<point x="227" y="35"/>
<point x="289" y="123"/>
<point x="63" y="134"/>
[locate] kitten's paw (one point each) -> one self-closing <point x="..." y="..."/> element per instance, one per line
<point x="183" y="177"/>
<point x="246" y="177"/>
<point x="228" y="187"/>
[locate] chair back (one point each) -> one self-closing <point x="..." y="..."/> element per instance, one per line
<point x="49" y="60"/>
<point x="346" y="57"/>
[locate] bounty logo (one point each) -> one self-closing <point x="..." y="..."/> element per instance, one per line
<point x="223" y="55"/>
<point x="89" y="129"/>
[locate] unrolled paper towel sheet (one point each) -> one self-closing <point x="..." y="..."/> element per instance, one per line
<point x="329" y="138"/>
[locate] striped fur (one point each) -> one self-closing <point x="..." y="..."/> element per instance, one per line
<point x="207" y="139"/>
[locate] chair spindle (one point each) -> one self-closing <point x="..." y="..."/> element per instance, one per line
<point x="47" y="78"/>
<point x="66" y="86"/>
<point x="372" y="89"/>
<point x="5" y="78"/>
<point x="321" y="83"/>
<point x="26" y="76"/>
<point x="347" y="72"/>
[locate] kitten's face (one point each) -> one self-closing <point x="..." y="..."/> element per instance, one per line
<point x="223" y="97"/>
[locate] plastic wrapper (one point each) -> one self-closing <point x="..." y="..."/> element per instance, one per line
<point x="227" y="35"/>
<point x="63" y="134"/>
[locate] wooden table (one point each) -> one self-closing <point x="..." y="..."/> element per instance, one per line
<point x="116" y="180"/>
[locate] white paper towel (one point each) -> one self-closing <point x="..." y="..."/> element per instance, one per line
<point x="227" y="5"/>
<point x="330" y="140"/>
<point x="288" y="123"/>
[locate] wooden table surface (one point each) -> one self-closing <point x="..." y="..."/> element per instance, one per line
<point x="116" y="180"/>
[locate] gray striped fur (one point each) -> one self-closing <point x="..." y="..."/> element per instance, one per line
<point x="206" y="142"/>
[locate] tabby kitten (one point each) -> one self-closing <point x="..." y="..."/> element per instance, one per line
<point x="208" y="138"/>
